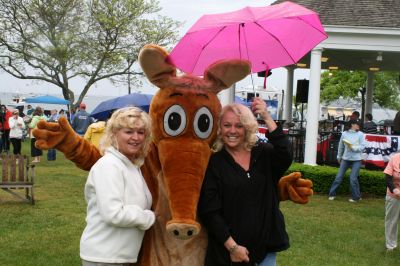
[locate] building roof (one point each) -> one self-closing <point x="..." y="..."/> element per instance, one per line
<point x="368" y="13"/>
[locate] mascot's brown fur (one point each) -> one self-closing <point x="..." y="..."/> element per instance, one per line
<point x="184" y="113"/>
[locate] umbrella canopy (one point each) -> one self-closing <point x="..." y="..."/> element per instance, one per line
<point x="104" y="109"/>
<point x="269" y="37"/>
<point x="46" y="99"/>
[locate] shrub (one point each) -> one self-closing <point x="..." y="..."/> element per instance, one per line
<point x="371" y="182"/>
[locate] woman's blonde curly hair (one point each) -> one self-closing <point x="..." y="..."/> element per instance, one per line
<point x="248" y="121"/>
<point x="128" y="117"/>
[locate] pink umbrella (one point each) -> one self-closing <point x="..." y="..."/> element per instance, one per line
<point x="269" y="37"/>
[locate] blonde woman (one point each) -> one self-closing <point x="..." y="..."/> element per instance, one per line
<point x="17" y="126"/>
<point x="118" y="199"/>
<point x="239" y="203"/>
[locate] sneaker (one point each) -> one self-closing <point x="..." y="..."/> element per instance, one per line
<point x="390" y="249"/>
<point x="351" y="200"/>
<point x="331" y="198"/>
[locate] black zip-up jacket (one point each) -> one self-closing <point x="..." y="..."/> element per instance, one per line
<point x="245" y="204"/>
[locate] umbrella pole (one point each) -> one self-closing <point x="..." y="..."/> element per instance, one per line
<point x="252" y="83"/>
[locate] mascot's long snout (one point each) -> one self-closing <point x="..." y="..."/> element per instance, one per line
<point x="184" y="168"/>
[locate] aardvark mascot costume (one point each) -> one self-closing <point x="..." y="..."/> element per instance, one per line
<point x="184" y="114"/>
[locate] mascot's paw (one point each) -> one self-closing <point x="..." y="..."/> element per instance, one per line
<point x="295" y="188"/>
<point x="51" y="135"/>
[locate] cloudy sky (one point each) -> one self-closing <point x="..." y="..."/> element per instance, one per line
<point x="187" y="11"/>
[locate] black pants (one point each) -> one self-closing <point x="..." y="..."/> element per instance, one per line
<point x="17" y="145"/>
<point x="35" y="152"/>
<point x="6" y="140"/>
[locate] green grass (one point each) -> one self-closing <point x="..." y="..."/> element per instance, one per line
<point x="321" y="233"/>
<point x="47" y="233"/>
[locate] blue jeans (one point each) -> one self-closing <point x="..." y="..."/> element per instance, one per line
<point x="355" y="187"/>
<point x="269" y="260"/>
<point x="51" y="155"/>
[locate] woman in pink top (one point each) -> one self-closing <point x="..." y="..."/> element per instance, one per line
<point x="392" y="204"/>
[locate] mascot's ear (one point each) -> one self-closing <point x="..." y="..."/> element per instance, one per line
<point x="225" y="73"/>
<point x="152" y="60"/>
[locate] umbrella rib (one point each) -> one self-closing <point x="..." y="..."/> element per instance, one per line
<point x="312" y="26"/>
<point x="245" y="41"/>
<point x="204" y="47"/>
<point x="247" y="52"/>
<point x="273" y="36"/>
<point x="240" y="49"/>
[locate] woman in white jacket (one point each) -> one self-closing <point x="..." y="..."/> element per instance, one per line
<point x="17" y="126"/>
<point x="118" y="199"/>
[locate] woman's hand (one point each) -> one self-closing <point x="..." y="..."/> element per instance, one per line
<point x="237" y="252"/>
<point x="259" y="107"/>
<point x="240" y="254"/>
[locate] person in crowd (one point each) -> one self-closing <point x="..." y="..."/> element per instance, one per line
<point x="95" y="132"/>
<point x="239" y="201"/>
<point x="53" y="115"/>
<point x="37" y="115"/>
<point x="29" y="110"/>
<point x="392" y="203"/>
<point x="351" y="145"/>
<point x="5" y="115"/>
<point x="118" y="199"/>
<point x="17" y="126"/>
<point x="355" y="116"/>
<point x="62" y="114"/>
<point x="51" y="153"/>
<point x="370" y="126"/>
<point x="20" y="109"/>
<point x="396" y="124"/>
<point x="81" y="120"/>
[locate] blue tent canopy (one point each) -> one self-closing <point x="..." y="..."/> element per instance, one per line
<point x="46" y="99"/>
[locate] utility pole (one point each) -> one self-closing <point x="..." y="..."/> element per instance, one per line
<point x="129" y="75"/>
<point x="129" y="81"/>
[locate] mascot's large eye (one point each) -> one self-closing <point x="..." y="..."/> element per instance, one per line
<point x="203" y="123"/>
<point x="174" y="120"/>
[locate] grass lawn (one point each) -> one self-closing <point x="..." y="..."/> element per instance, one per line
<point x="321" y="233"/>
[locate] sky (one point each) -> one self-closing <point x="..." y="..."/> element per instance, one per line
<point x="187" y="11"/>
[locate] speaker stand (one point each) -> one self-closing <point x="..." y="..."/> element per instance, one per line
<point x="301" y="120"/>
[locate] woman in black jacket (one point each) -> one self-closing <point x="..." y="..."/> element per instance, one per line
<point x="239" y="202"/>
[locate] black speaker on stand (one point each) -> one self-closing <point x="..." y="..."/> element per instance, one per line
<point x="302" y="95"/>
<point x="302" y="91"/>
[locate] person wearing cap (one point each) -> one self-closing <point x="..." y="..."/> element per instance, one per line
<point x="17" y="126"/>
<point x="81" y="120"/>
<point x="351" y="145"/>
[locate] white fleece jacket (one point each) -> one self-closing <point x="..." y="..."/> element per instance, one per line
<point x="15" y="129"/>
<point x="118" y="203"/>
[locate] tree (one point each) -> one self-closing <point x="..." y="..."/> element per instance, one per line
<point x="56" y="41"/>
<point x="347" y="84"/>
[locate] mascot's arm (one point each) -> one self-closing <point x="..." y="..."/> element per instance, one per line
<point x="150" y="170"/>
<point x="295" y="188"/>
<point x="62" y="137"/>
